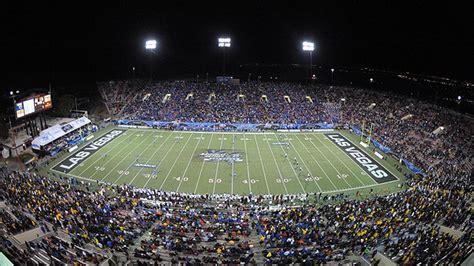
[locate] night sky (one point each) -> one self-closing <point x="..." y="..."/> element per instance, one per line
<point x="81" y="42"/>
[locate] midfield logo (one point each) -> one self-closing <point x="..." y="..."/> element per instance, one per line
<point x="221" y="155"/>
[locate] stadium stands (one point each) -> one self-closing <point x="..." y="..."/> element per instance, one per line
<point x="108" y="222"/>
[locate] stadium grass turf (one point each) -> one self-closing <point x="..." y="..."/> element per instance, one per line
<point x="175" y="161"/>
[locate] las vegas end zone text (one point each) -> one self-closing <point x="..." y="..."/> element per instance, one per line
<point x="370" y="166"/>
<point x="85" y="152"/>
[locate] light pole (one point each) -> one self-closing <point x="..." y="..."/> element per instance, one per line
<point x="13" y="95"/>
<point x="223" y="42"/>
<point x="332" y="74"/>
<point x="309" y="46"/>
<point x="150" y="45"/>
<point x="133" y="70"/>
<point x="250" y="74"/>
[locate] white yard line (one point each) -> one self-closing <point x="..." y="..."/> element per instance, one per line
<point x="123" y="158"/>
<point x="302" y="160"/>
<point x="76" y="176"/>
<point x="278" y="168"/>
<point x="355" y="188"/>
<point x="150" y="158"/>
<point x="316" y="161"/>
<point x="248" y="168"/>
<point x="111" y="145"/>
<point x="133" y="162"/>
<point x="189" y="163"/>
<point x="289" y="163"/>
<point x="217" y="169"/>
<point x="398" y="179"/>
<point x="107" y="159"/>
<point x="162" y="158"/>
<point x="263" y="168"/>
<point x="345" y="165"/>
<point x="335" y="168"/>
<point x="232" y="174"/>
<point x="202" y="165"/>
<point x="175" y="161"/>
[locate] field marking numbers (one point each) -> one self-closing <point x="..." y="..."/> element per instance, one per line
<point x="140" y="154"/>
<point x="251" y="181"/>
<point x="345" y="165"/>
<point x="217" y="168"/>
<point x="163" y="157"/>
<point x="175" y="161"/>
<point x="307" y="168"/>
<point x="202" y="165"/>
<point x="315" y="160"/>
<point x="277" y="167"/>
<point x="107" y="160"/>
<point x="342" y="176"/>
<point x="181" y="179"/>
<point x="148" y="176"/>
<point x="313" y="178"/>
<point x="291" y="166"/>
<point x="337" y="170"/>
<point x="189" y="162"/>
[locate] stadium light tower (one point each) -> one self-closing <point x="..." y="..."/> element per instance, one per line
<point x="224" y="43"/>
<point x="150" y="45"/>
<point x="309" y="46"/>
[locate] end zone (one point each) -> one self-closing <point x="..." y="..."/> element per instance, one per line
<point x="375" y="170"/>
<point x="66" y="165"/>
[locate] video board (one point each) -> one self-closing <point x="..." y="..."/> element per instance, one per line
<point x="33" y="104"/>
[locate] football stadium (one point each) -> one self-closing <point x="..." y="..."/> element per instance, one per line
<point x="209" y="158"/>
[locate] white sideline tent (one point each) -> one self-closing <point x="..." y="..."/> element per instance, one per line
<point x="57" y="131"/>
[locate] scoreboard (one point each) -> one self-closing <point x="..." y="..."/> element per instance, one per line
<point x="33" y="104"/>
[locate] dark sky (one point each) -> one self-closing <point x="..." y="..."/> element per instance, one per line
<point x="84" y="42"/>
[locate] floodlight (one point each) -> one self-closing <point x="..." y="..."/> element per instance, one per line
<point x="332" y="69"/>
<point x="150" y="44"/>
<point x="17" y="91"/>
<point x="11" y="92"/>
<point x="371" y="80"/>
<point x="459" y="98"/>
<point x="223" y="42"/>
<point x="308" y="46"/>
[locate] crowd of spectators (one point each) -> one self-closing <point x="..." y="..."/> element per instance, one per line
<point x="148" y="225"/>
<point x="433" y="138"/>
<point x="241" y="229"/>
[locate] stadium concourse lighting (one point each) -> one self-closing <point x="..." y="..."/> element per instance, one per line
<point x="309" y="46"/>
<point x="223" y="42"/>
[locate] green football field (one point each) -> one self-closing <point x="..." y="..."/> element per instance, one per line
<point x="227" y="162"/>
